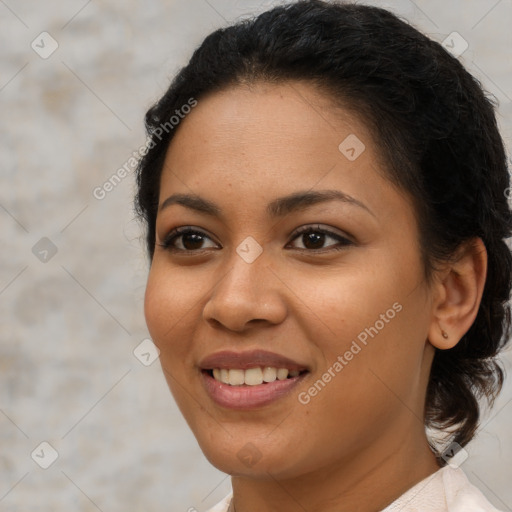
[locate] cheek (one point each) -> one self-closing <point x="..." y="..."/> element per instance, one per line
<point x="156" y="303"/>
<point x="345" y="303"/>
<point x="166" y="303"/>
<point x="375" y="319"/>
<point x="168" y="309"/>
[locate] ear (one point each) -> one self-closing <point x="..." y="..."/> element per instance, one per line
<point x="457" y="294"/>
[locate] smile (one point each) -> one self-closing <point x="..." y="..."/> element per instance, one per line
<point x="252" y="376"/>
<point x="249" y="379"/>
<point x="249" y="396"/>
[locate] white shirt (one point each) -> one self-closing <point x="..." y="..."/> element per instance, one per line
<point x="446" y="490"/>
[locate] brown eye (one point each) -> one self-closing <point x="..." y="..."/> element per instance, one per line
<point x="314" y="237"/>
<point x="186" y="240"/>
<point x="313" y="240"/>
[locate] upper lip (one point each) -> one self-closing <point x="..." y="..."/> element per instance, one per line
<point x="250" y="359"/>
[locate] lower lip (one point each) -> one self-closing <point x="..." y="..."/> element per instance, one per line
<point x="248" y="397"/>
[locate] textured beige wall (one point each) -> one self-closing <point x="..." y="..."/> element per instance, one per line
<point x="69" y="321"/>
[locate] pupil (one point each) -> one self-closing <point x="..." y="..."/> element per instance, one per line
<point x="317" y="240"/>
<point x="192" y="241"/>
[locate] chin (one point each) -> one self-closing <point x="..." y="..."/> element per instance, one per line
<point x="249" y="460"/>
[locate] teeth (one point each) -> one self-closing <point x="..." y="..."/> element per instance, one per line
<point x="252" y="376"/>
<point x="269" y="374"/>
<point x="224" y="376"/>
<point x="282" y="374"/>
<point x="236" y="377"/>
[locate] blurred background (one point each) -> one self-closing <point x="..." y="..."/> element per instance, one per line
<point x="87" y="422"/>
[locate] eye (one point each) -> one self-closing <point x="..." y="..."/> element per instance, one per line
<point x="314" y="237"/>
<point x="189" y="240"/>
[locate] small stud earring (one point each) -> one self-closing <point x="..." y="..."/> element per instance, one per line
<point x="445" y="335"/>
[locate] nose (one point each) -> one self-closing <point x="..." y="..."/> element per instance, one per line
<point x="247" y="294"/>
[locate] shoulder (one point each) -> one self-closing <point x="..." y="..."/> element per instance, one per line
<point x="222" y="506"/>
<point x="461" y="494"/>
<point x="446" y="490"/>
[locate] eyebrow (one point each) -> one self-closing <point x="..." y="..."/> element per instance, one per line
<point x="277" y="208"/>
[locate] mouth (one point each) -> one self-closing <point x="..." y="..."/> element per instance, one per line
<point x="250" y="379"/>
<point x="252" y="388"/>
<point x="253" y="376"/>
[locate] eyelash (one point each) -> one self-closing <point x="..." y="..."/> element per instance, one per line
<point x="178" y="232"/>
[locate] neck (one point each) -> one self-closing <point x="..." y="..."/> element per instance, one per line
<point x="368" y="482"/>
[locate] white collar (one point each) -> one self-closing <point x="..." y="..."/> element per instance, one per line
<point x="446" y="490"/>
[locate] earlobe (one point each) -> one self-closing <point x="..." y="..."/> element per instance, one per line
<point x="459" y="293"/>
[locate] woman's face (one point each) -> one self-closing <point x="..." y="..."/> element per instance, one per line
<point x="344" y="304"/>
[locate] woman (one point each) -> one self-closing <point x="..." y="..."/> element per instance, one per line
<point x="325" y="200"/>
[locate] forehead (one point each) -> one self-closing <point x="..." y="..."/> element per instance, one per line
<point x="276" y="117"/>
<point x="263" y="140"/>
